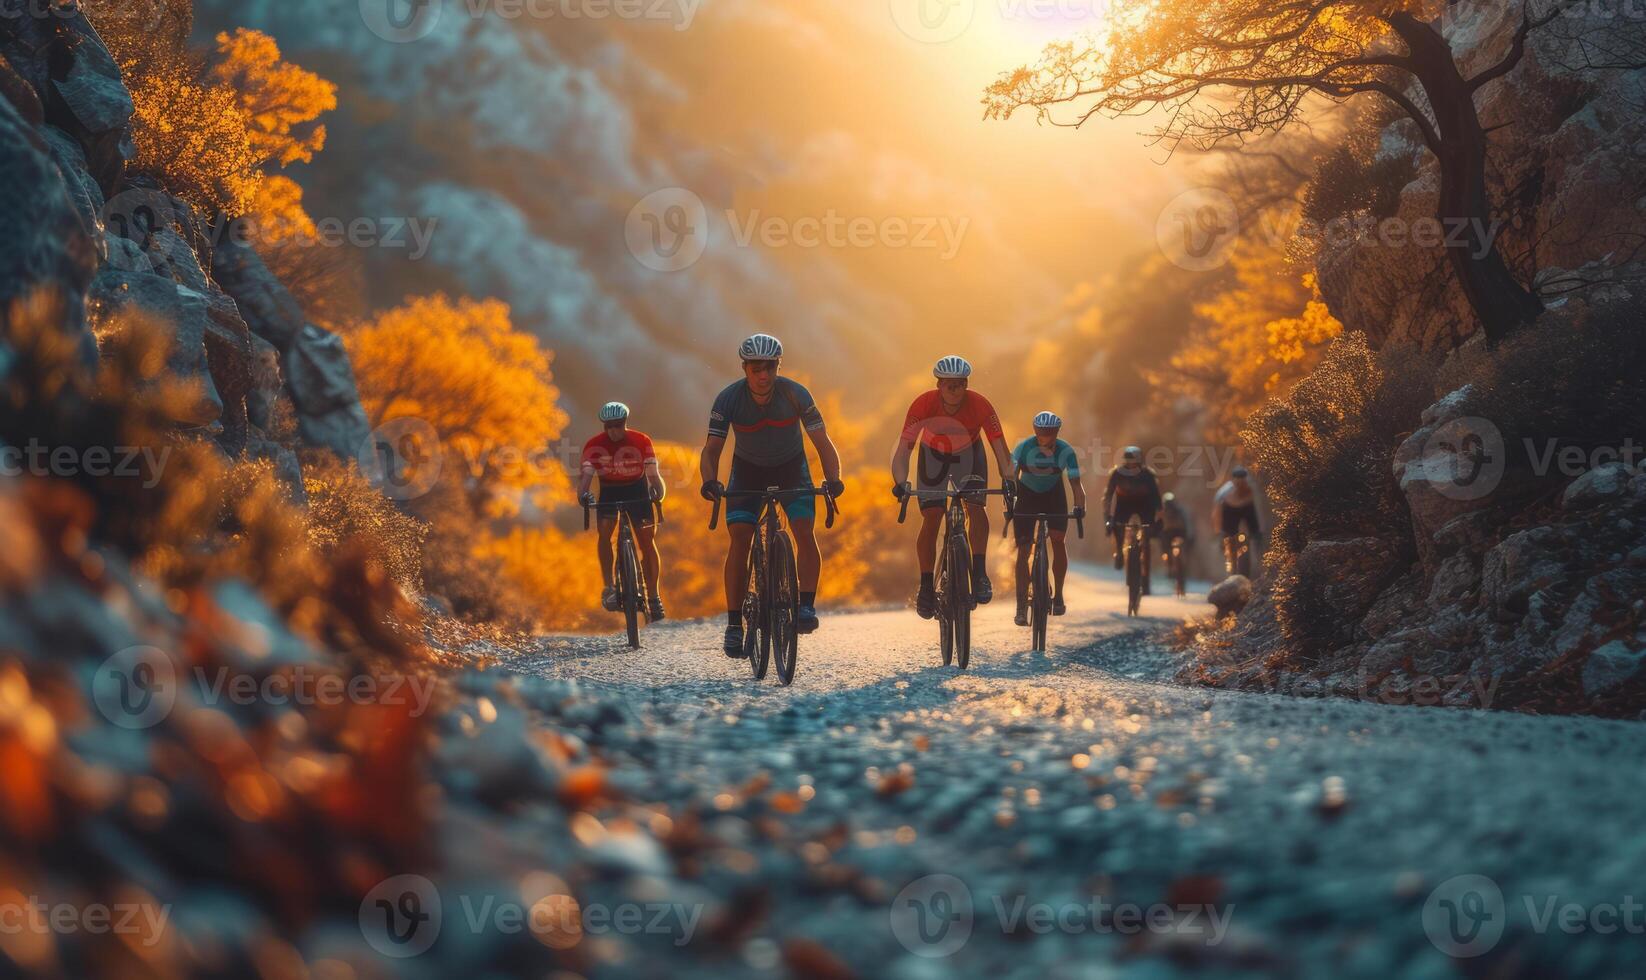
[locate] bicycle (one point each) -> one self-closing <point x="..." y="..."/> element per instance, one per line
<point x="1177" y="564"/>
<point x="1237" y="555"/>
<point x="1040" y="580"/>
<point x="626" y="577"/>
<point x="772" y="603"/>
<point x="1136" y="542"/>
<point x="953" y="576"/>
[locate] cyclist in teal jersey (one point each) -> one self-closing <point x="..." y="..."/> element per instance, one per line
<point x="1041" y="463"/>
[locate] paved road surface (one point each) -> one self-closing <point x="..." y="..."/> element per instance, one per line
<point x="1085" y="816"/>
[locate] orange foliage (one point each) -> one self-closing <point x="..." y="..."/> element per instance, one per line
<point x="209" y="132"/>
<point x="486" y="389"/>
<point x="280" y="101"/>
<point x="1254" y="340"/>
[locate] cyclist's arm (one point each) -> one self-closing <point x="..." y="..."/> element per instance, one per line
<point x="900" y="459"/>
<point x="585" y="480"/>
<point x="827" y="454"/>
<point x="654" y="478"/>
<point x="708" y="463"/>
<point x="1079" y="489"/>
<point x="1002" y="455"/>
<point x="1108" y="495"/>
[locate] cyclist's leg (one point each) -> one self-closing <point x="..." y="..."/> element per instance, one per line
<point x="737" y="564"/>
<point x="1060" y="559"/>
<point x="1023" y="534"/>
<point x="931" y="474"/>
<point x="973" y="474"/>
<point x="808" y="557"/>
<point x="605" y="545"/>
<point x="741" y="515"/>
<point x="650" y="558"/>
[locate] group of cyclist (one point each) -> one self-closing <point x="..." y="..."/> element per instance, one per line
<point x="949" y="431"/>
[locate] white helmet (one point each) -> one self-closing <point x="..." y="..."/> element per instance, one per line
<point x="953" y="366"/>
<point x="761" y="347"/>
<point x="1133" y="453"/>
<point x="1047" y="420"/>
<point x="614" y="412"/>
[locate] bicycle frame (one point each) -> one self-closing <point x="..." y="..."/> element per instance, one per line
<point x="763" y="618"/>
<point x="1040" y="593"/>
<point x="954" y="604"/>
<point x="626" y="537"/>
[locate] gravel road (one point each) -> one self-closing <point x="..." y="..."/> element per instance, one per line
<point x="1076" y="814"/>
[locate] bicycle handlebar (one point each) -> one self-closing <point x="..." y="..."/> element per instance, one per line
<point x="1080" y="522"/>
<point x="910" y="493"/>
<point x="778" y="495"/>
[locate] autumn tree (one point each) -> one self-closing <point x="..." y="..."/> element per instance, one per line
<point x="485" y="388"/>
<point x="1228" y="70"/>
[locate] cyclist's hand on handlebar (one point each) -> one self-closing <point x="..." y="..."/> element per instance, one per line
<point x="1010" y="486"/>
<point x="713" y="490"/>
<point x="656" y="493"/>
<point x="1079" y="513"/>
<point x="586" y="499"/>
<point x="834" y="488"/>
<point x="900" y="491"/>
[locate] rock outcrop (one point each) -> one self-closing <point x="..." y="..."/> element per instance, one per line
<point x="106" y="243"/>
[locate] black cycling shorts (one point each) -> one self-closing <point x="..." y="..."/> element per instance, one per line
<point x="796" y="474"/>
<point x="1233" y="517"/>
<point x="1123" y="514"/>
<point x="636" y="500"/>
<point x="965" y="470"/>
<point x="1053" y="501"/>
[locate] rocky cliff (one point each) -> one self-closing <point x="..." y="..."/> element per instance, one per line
<point x="110" y="242"/>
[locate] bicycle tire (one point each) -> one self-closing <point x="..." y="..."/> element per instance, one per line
<point x="960" y="561"/>
<point x="629" y="586"/>
<point x="757" y="639"/>
<point x="1134" y="578"/>
<point x="1180" y="571"/>
<point x="945" y="618"/>
<point x="783" y="608"/>
<point x="1040" y="598"/>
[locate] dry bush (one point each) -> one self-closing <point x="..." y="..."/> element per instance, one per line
<point x="1326" y="448"/>
<point x="187" y="517"/>
<point x="344" y="506"/>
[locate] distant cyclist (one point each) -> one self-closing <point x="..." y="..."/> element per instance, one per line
<point x="1174" y="520"/>
<point x="1042" y="461"/>
<point x="1236" y="505"/>
<point x="949" y="423"/>
<point x="1133" y="491"/>
<point x="768" y="413"/>
<point x="623" y="460"/>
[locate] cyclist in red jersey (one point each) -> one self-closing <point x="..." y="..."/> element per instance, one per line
<point x="626" y="465"/>
<point x="951" y="423"/>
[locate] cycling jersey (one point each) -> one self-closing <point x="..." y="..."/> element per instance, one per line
<point x="1043" y="469"/>
<point x="618" y="463"/>
<point x="1137" y="491"/>
<point x="1176" y="519"/>
<point x="769" y="434"/>
<point x="951" y="434"/>
<point x="1231" y="495"/>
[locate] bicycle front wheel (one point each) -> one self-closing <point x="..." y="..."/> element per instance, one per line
<point x="757" y="637"/>
<point x="783" y="608"/>
<point x="1040" y="598"/>
<point x="960" y="598"/>
<point x="1134" y="580"/>
<point x="628" y="585"/>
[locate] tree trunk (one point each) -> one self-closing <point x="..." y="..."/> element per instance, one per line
<point x="1465" y="212"/>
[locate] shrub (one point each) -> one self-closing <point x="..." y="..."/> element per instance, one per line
<point x="1326" y="448"/>
<point x="344" y="506"/>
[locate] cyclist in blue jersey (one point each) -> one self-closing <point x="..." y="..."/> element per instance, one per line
<point x="768" y="413"/>
<point x="1041" y="463"/>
